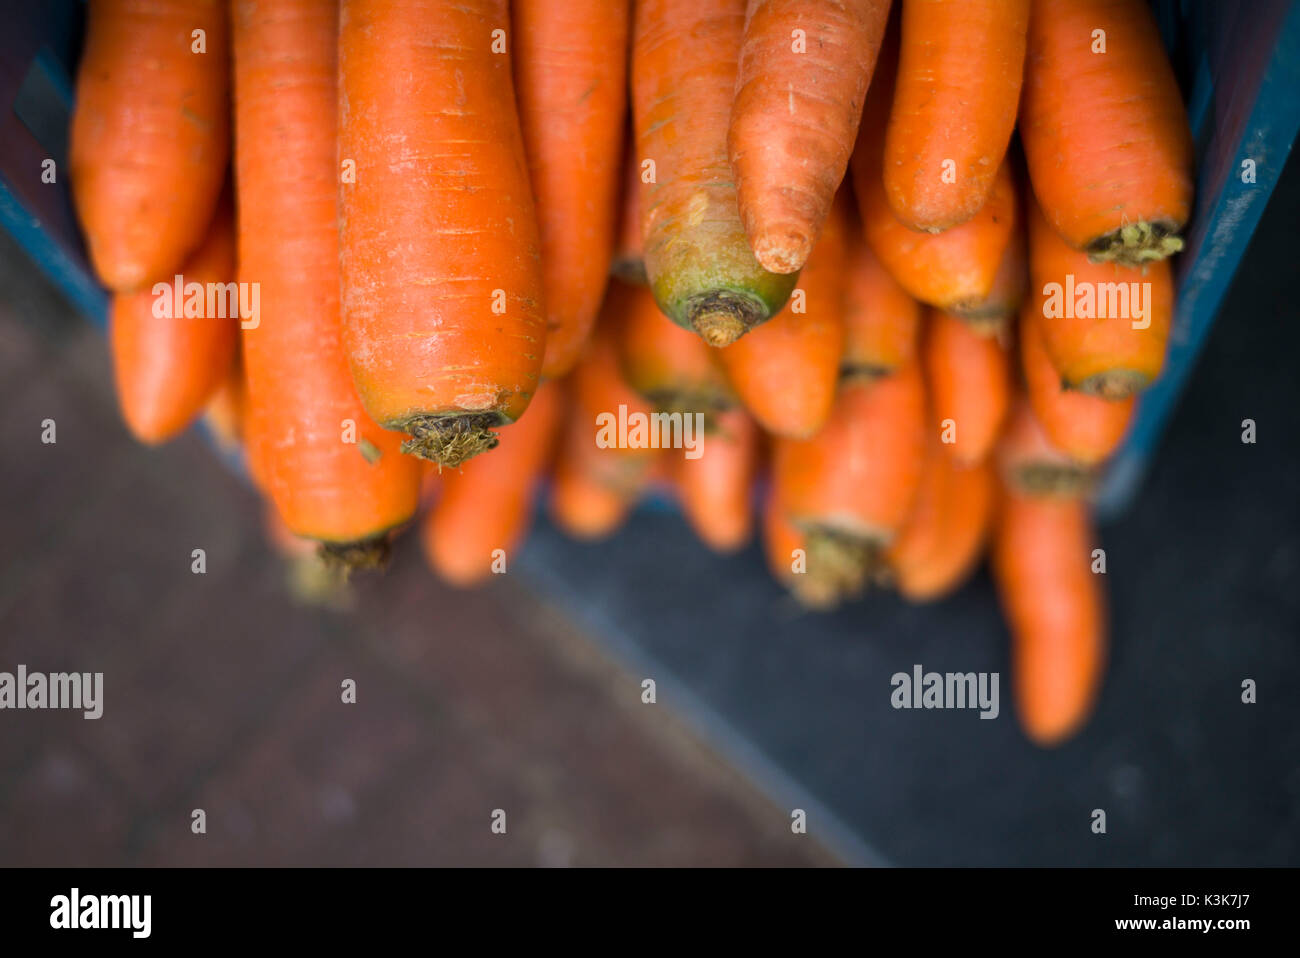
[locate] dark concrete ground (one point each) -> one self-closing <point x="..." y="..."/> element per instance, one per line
<point x="222" y="694"/>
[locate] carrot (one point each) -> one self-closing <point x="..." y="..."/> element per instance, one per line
<point x="1042" y="559"/>
<point x="150" y="134"/>
<point x="714" y="488"/>
<point x="1029" y="462"/>
<point x="952" y="270"/>
<point x="1105" y="133"/>
<point x="572" y="101"/>
<point x="850" y="488"/>
<point x="992" y="315"/>
<point x="669" y="366"/>
<point x="581" y="504"/>
<point x="334" y="475"/>
<point x="167" y="367"/>
<point x="485" y="508"/>
<point x="443" y="321"/>
<point x="944" y="535"/>
<point x="969" y="378"/>
<point x="700" y="266"/>
<point x="785" y="548"/>
<point x="1087" y="428"/>
<point x="957" y="59"/>
<point x="1106" y="328"/>
<point x="629" y="262"/>
<point x="225" y="411"/>
<point x="803" y="74"/>
<point x="785" y="371"/>
<point x="881" y="321"/>
<point x="596" y="484"/>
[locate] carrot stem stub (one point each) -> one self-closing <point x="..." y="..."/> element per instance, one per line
<point x="698" y="261"/>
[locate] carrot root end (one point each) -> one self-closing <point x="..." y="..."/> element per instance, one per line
<point x="1135" y="244"/>
<point x="1115" y="384"/>
<point x="840" y="567"/>
<point x="348" y="557"/>
<point x="450" y="440"/>
<point x="1052" y="479"/>
<point x="722" y="316"/>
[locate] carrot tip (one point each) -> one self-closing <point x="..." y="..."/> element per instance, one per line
<point x="351" y="556"/>
<point x="450" y="440"/>
<point x="987" y="324"/>
<point x="722" y="316"/>
<point x="840" y="567"/>
<point x="782" y="250"/>
<point x="1052" y="479"/>
<point x="862" y="373"/>
<point x="313" y="581"/>
<point x="1134" y="244"/>
<point x="630" y="271"/>
<point x="1115" y="384"/>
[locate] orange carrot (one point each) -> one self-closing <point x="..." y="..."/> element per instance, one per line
<point x="881" y="321"/>
<point x="803" y="74"/>
<point x="572" y="100"/>
<point x="1029" y="462"/>
<point x="1087" y="428"/>
<point x="969" y="378"/>
<point x="952" y="270"/>
<point x="629" y="262"/>
<point x="850" y="488"/>
<point x="442" y="284"/>
<point x="1104" y="130"/>
<point x="150" y="134"/>
<point x="786" y="549"/>
<point x="1042" y="561"/>
<point x="992" y="315"/>
<point x="785" y="371"/>
<point x="1106" y="328"/>
<point x="581" y="504"/>
<point x="959" y="72"/>
<point x="596" y="486"/>
<point x="714" y="487"/>
<point x="666" y="364"/>
<point x="944" y="535"/>
<point x="334" y="475"/>
<point x="168" y="366"/>
<point x="699" y="263"/>
<point x="485" y="508"/>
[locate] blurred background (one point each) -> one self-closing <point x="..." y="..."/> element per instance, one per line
<point x="222" y="691"/>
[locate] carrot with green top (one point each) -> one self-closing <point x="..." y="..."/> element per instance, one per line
<point x="1105" y="327"/>
<point x="1104" y="130"/>
<point x="703" y="273"/>
<point x="785" y="371"/>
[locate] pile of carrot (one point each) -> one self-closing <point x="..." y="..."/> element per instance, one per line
<point x="905" y="264"/>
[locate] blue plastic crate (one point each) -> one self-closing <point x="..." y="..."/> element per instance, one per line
<point x="1239" y="64"/>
